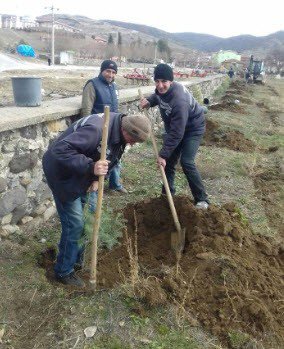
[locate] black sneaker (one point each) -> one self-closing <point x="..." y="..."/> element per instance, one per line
<point x="71" y="279"/>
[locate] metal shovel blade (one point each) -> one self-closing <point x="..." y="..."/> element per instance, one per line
<point x="178" y="240"/>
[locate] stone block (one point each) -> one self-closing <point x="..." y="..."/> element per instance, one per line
<point x="57" y="126"/>
<point x="3" y="184"/>
<point x="50" y="212"/>
<point x="7" y="219"/>
<point x="22" y="162"/>
<point x="26" y="219"/>
<point x="11" y="199"/>
<point x="29" y="132"/>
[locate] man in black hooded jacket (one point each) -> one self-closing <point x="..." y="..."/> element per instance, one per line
<point x="184" y="125"/>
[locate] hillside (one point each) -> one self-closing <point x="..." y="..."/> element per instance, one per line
<point x="206" y="42"/>
<point x="138" y="42"/>
<point x="196" y="41"/>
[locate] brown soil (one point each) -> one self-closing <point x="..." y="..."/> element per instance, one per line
<point x="235" y="140"/>
<point x="229" y="278"/>
<point x="235" y="99"/>
<point x="269" y="185"/>
<point x="229" y="106"/>
<point x="231" y="97"/>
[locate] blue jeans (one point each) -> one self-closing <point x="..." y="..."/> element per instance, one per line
<point x="71" y="246"/>
<point x="186" y="151"/>
<point x="114" y="178"/>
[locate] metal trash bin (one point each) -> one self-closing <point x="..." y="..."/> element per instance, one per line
<point x="27" y="91"/>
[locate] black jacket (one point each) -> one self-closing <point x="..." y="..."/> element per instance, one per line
<point x="182" y="116"/>
<point x="68" y="164"/>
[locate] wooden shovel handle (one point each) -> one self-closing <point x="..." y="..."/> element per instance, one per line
<point x="164" y="178"/>
<point x="94" y="248"/>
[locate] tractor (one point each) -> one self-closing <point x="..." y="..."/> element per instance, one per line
<point x="255" y="70"/>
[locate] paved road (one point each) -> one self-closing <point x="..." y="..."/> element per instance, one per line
<point x="7" y="63"/>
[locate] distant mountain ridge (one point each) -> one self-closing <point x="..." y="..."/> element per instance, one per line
<point x="194" y="41"/>
<point x="207" y="42"/>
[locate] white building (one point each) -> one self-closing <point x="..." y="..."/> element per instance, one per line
<point x="66" y="57"/>
<point x="16" y="22"/>
<point x="46" y="23"/>
<point x="9" y="21"/>
<point x="28" y="22"/>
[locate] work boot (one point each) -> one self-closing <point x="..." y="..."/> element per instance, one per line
<point x="122" y="190"/>
<point x="71" y="279"/>
<point x="202" y="205"/>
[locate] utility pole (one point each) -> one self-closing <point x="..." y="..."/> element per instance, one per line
<point x="52" y="8"/>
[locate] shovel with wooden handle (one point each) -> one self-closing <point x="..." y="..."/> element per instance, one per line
<point x="178" y="237"/>
<point x="94" y="248"/>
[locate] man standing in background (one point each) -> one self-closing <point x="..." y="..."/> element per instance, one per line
<point x="97" y="93"/>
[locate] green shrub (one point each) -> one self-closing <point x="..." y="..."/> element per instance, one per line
<point x="111" y="227"/>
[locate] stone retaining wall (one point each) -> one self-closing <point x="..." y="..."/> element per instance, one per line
<point x="25" y="133"/>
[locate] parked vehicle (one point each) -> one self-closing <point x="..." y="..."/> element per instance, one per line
<point x="256" y="70"/>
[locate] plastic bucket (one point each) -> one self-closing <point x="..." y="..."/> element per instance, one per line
<point x="27" y="91"/>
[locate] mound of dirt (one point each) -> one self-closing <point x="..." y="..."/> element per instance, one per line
<point x="230" y="279"/>
<point x="269" y="185"/>
<point x="235" y="140"/>
<point x="229" y="106"/>
<point x="232" y="97"/>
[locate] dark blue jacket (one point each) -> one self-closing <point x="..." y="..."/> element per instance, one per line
<point x="106" y="94"/>
<point x="182" y="116"/>
<point x="68" y="163"/>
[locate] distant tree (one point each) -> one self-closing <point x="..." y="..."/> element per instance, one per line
<point x="164" y="49"/>
<point x="93" y="37"/>
<point x="162" y="45"/>
<point x="110" y="40"/>
<point x="119" y="39"/>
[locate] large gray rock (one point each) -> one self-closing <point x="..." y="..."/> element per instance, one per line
<point x="29" y="132"/>
<point x="3" y="184"/>
<point x="42" y="193"/>
<point x="20" y="212"/>
<point x="22" y="162"/>
<point x="11" y="199"/>
<point x="8" y="147"/>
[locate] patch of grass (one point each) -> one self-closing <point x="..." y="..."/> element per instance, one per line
<point x="242" y="216"/>
<point x="238" y="339"/>
<point x="106" y="342"/>
<point x="220" y="91"/>
<point x="174" y="339"/>
<point x="50" y="233"/>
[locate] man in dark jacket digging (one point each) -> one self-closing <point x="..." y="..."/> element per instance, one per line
<point x="184" y="125"/>
<point x="72" y="165"/>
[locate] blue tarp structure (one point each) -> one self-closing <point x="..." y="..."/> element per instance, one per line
<point x="26" y="50"/>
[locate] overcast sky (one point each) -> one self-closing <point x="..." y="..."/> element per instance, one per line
<point x="215" y="17"/>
